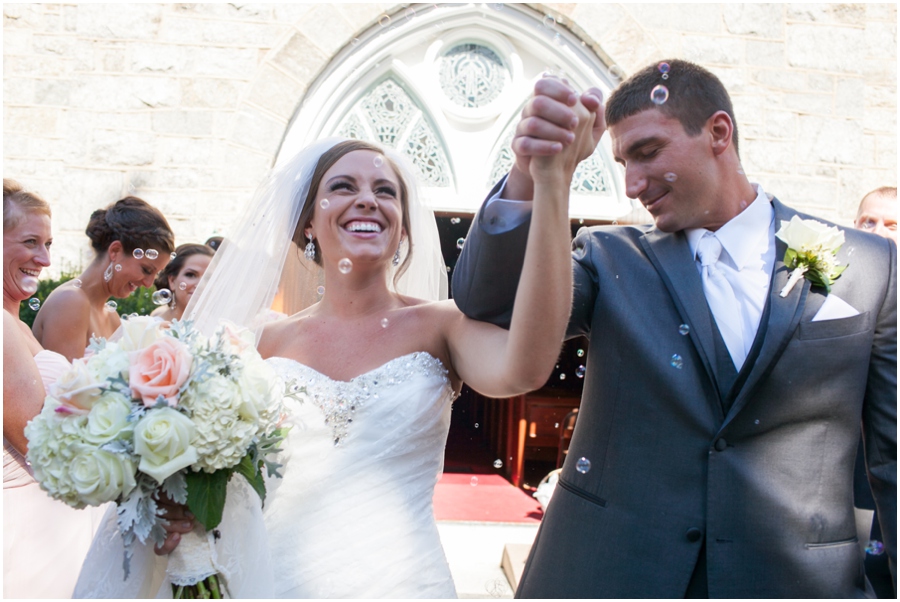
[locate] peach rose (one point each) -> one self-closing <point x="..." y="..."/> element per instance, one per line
<point x="160" y="369"/>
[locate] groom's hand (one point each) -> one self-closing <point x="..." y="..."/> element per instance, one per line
<point x="180" y="521"/>
<point x="548" y="123"/>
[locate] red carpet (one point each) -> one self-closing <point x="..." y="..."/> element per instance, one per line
<point x="491" y="499"/>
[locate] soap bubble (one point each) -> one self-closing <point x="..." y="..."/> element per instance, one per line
<point x="118" y="267"/>
<point x="684" y="329"/>
<point x="659" y="95"/>
<point x="875" y="547"/>
<point x="384" y="20"/>
<point x="378" y="161"/>
<point x="460" y="242"/>
<point x="580" y="353"/>
<point x="182" y="286"/>
<point x="562" y="376"/>
<point x="173" y="255"/>
<point x="579" y="372"/>
<point x="454" y="220"/>
<point x="162" y="296"/>
<point x="138" y="253"/>
<point x="617" y="72"/>
<point x="34" y="303"/>
<point x="29" y="284"/>
<point x="111" y="305"/>
<point x="77" y="283"/>
<point x="473" y="481"/>
<point x="670" y="177"/>
<point x="152" y="253"/>
<point x="384" y="322"/>
<point x="498" y="463"/>
<point x="549" y="21"/>
<point x="677" y="362"/>
<point x="663" y="67"/>
<point x="355" y="41"/>
<point x="345" y="265"/>
<point x="324" y="203"/>
<point x="583" y="465"/>
<point x="321" y="290"/>
<point x="410" y="14"/>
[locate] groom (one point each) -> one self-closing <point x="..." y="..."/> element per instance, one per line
<point x="721" y="411"/>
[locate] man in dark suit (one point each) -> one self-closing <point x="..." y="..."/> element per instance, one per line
<point x="714" y="450"/>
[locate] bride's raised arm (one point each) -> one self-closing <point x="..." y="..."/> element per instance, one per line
<point x="501" y="363"/>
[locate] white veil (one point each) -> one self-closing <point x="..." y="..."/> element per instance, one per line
<point x="244" y="275"/>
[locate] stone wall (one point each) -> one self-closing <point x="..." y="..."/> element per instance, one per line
<point x="186" y="105"/>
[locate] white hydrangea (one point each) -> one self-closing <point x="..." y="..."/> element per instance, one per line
<point x="109" y="363"/>
<point x="223" y="435"/>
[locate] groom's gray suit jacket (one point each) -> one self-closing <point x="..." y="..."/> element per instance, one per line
<point x="754" y="470"/>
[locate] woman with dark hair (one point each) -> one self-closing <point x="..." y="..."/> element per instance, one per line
<point x="133" y="242"/>
<point x="380" y="360"/>
<point x="180" y="277"/>
<point x="44" y="541"/>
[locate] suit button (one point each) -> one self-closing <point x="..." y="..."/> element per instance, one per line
<point x="720" y="445"/>
<point x="693" y="534"/>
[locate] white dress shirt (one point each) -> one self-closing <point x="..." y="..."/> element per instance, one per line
<point x="747" y="259"/>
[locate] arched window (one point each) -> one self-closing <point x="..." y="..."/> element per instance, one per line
<point x="446" y="87"/>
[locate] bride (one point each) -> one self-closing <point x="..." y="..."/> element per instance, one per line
<point x="353" y="515"/>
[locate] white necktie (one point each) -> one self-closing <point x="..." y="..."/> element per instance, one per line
<point x="721" y="299"/>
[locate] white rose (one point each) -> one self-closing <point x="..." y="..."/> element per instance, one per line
<point x="238" y="338"/>
<point x="257" y="383"/>
<point x="100" y="476"/>
<point x="810" y="235"/>
<point x="162" y="438"/>
<point x="108" y="418"/>
<point x="77" y="387"/>
<point x="137" y="333"/>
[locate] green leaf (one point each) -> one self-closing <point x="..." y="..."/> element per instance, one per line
<point x="790" y="258"/>
<point x="253" y="475"/>
<point x="206" y="496"/>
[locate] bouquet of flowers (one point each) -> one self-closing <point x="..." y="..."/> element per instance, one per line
<point x="156" y="412"/>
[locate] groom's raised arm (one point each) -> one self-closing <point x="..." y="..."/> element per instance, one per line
<point x="488" y="269"/>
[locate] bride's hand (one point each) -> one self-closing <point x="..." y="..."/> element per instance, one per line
<point x="180" y="521"/>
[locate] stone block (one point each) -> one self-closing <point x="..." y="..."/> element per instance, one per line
<point x="820" y="82"/>
<point x="231" y="11"/>
<point x="54" y="91"/>
<point x="768" y="156"/>
<point x="294" y="12"/>
<point x="129" y="21"/>
<point x="806" y="104"/>
<point x="18" y="90"/>
<point x="300" y="58"/>
<point x="880" y="121"/>
<point x="124" y="92"/>
<point x="16" y="41"/>
<point x="763" y="20"/>
<point x="881" y="39"/>
<point x="799" y="191"/>
<point x="15" y="145"/>
<point x="880" y="71"/>
<point x="243" y="168"/>
<point x="325" y="27"/>
<point x="735" y="79"/>
<point x="210" y="92"/>
<point x="722" y="50"/>
<point x="823" y="140"/>
<point x="881" y="11"/>
<point x="765" y="54"/>
<point x="839" y="49"/>
<point x="702" y="18"/>
<point x="186" y="151"/>
<point x="598" y="19"/>
<point x="36" y="121"/>
<point x="26" y="16"/>
<point x="121" y="148"/>
<point x="62" y="45"/>
<point x="781" y="124"/>
<point x="879" y="96"/>
<point x="886" y="153"/>
<point x="852" y="14"/>
<point x="188" y="123"/>
<point x="70" y="17"/>
<point x="258" y="130"/>
<point x="111" y="60"/>
<point x="31" y="65"/>
<point x="201" y="31"/>
<point x="780" y="79"/>
<point x="276" y="92"/>
<point x="239" y="63"/>
<point x="170" y="58"/>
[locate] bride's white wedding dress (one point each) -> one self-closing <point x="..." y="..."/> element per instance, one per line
<point x="352" y="516"/>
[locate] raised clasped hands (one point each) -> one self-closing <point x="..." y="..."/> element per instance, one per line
<point x="559" y="129"/>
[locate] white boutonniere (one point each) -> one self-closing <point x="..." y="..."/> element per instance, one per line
<point x="812" y="247"/>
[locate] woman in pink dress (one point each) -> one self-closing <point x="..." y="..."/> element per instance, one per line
<point x="44" y="541"/>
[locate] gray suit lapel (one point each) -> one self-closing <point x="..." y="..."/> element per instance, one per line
<point x="671" y="256"/>
<point x="784" y="316"/>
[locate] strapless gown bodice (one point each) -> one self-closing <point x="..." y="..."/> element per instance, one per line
<point x="353" y="515"/>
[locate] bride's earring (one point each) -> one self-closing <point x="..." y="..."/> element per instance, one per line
<point x="310" y="251"/>
<point x="108" y="274"/>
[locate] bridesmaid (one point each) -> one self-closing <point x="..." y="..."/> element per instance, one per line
<point x="44" y="541"/>
<point x="181" y="277"/>
<point x="133" y="242"/>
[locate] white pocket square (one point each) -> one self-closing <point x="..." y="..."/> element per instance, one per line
<point x="834" y="308"/>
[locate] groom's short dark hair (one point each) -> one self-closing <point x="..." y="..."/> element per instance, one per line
<point x="694" y="94"/>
